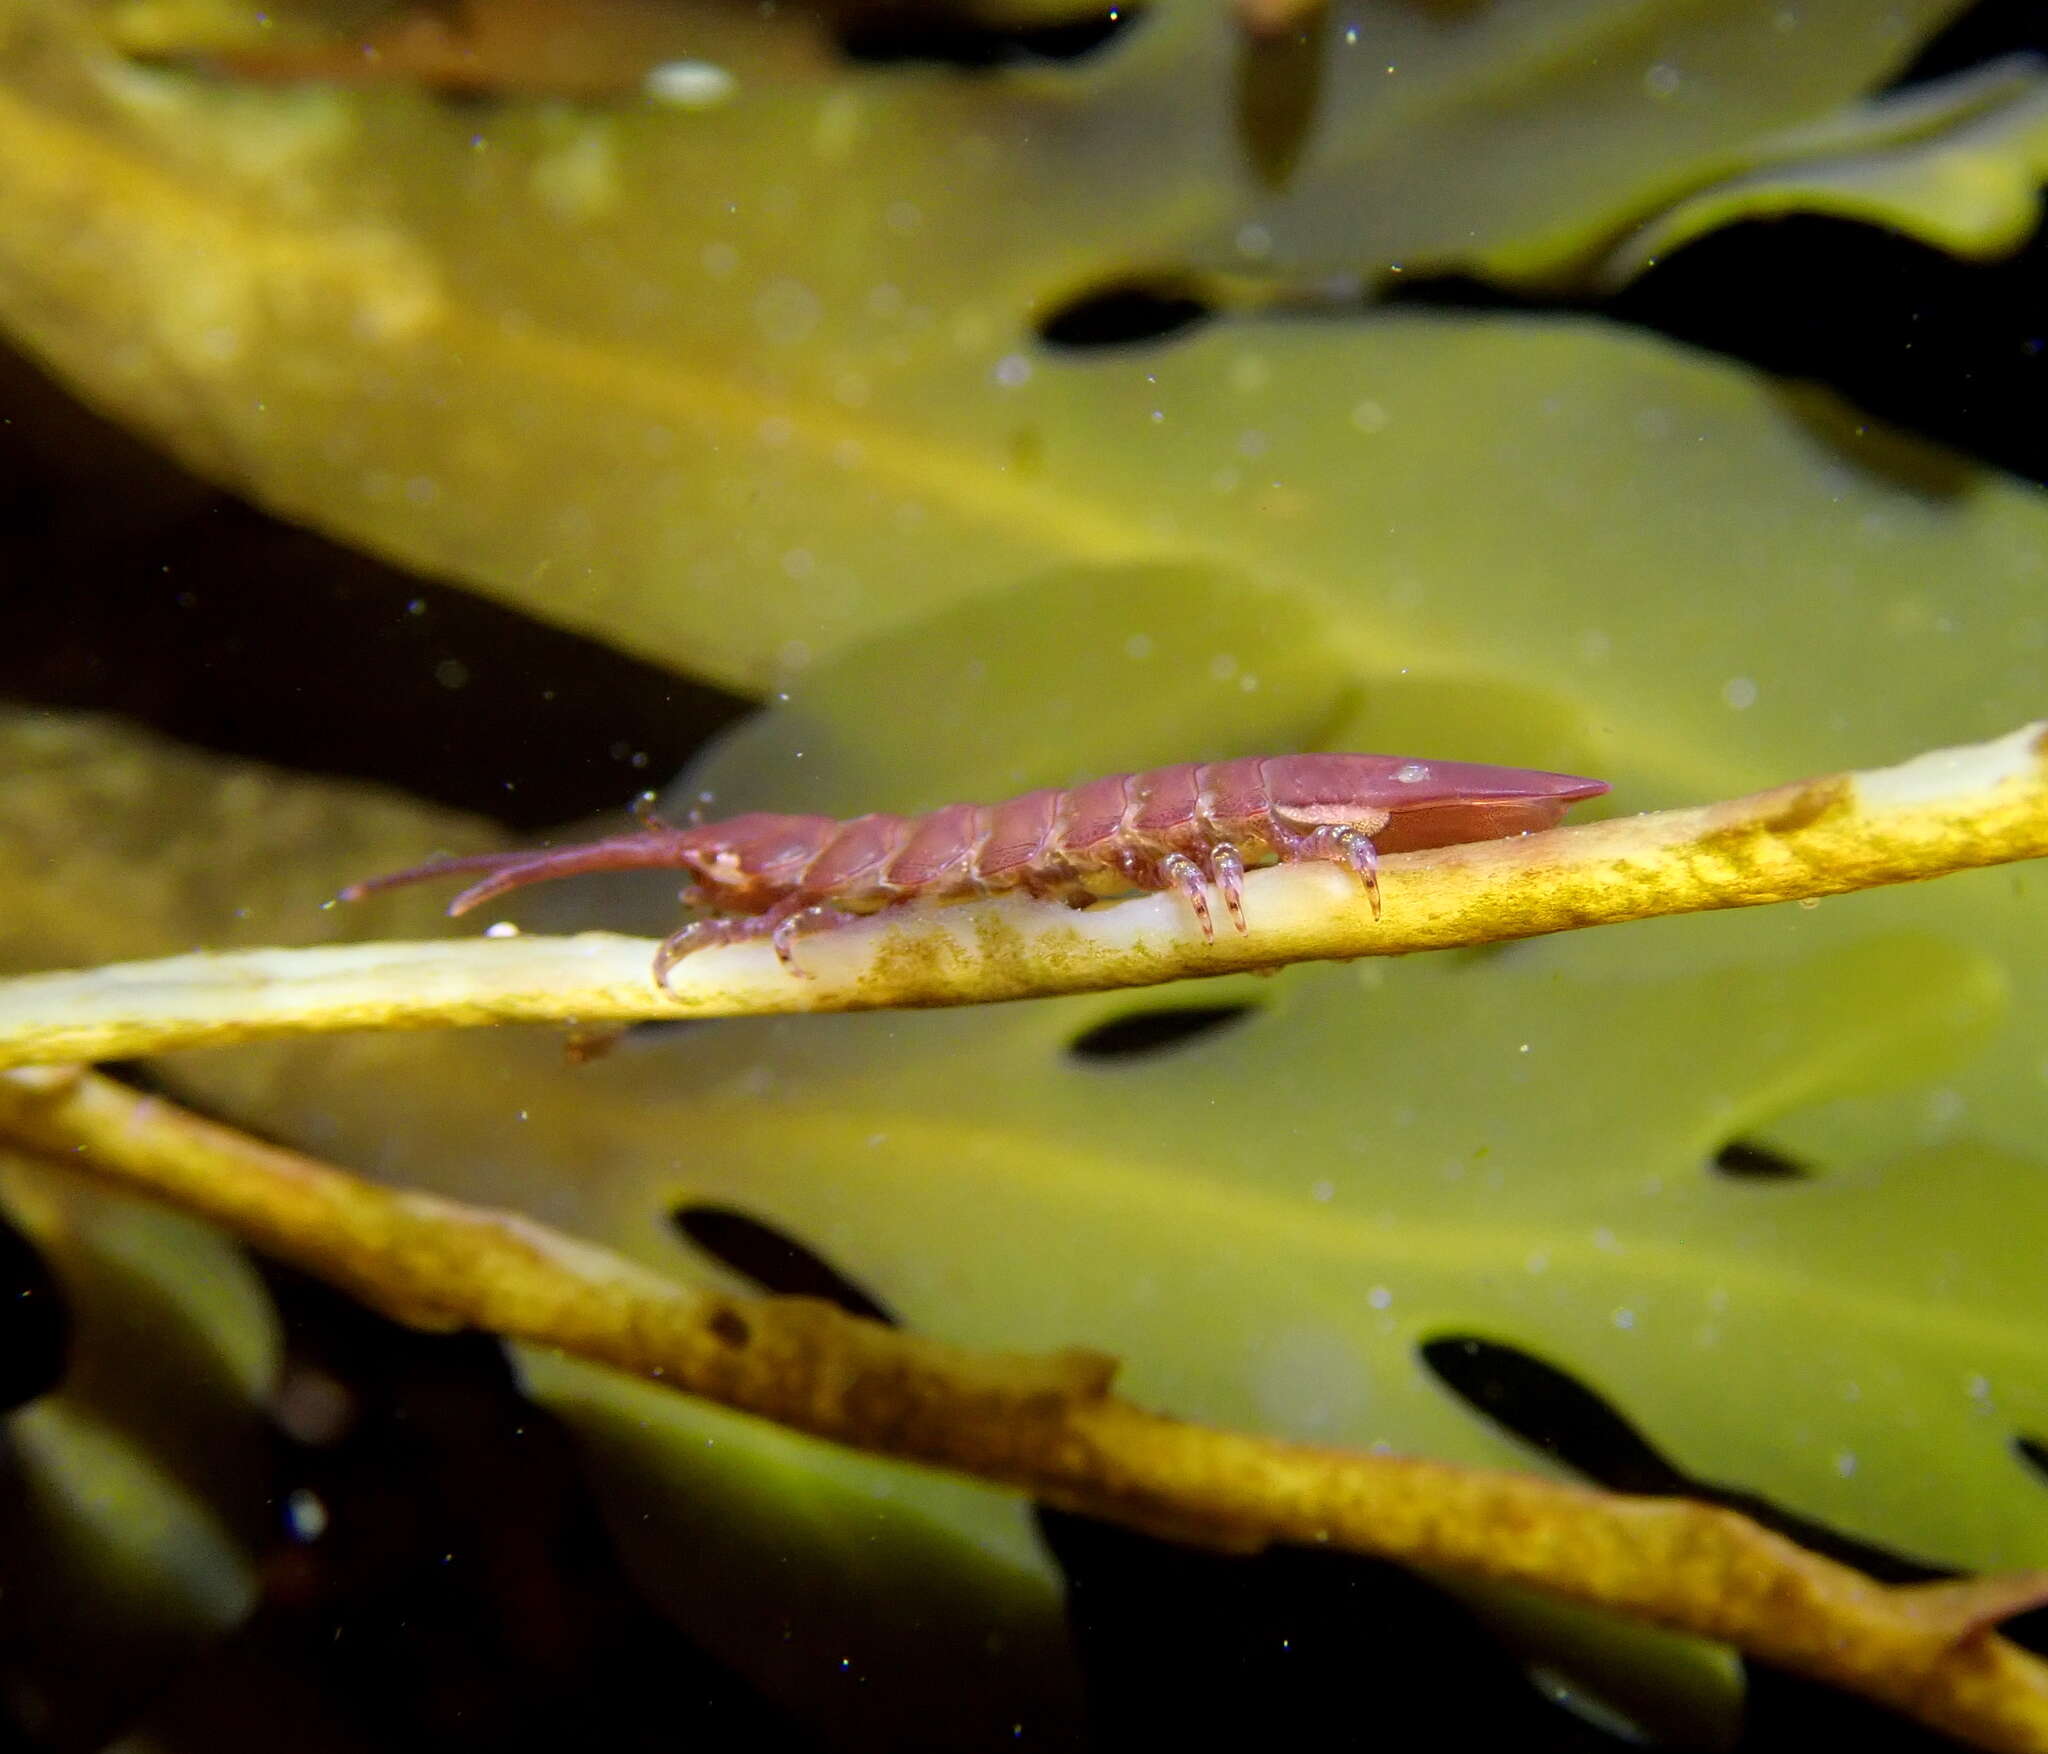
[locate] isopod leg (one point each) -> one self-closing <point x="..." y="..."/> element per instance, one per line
<point x="779" y="925"/>
<point x="783" y="936"/>
<point x="1345" y="846"/>
<point x="1182" y="871"/>
<point x="700" y="935"/>
<point x="1226" y="865"/>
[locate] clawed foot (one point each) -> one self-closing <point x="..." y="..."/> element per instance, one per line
<point x="1225" y="871"/>
<point x="779" y="925"/>
<point x="1345" y="846"/>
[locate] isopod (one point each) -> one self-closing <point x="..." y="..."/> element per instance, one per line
<point x="1192" y="827"/>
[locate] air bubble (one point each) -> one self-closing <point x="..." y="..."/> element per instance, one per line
<point x="306" y="1515"/>
<point x="689" y="85"/>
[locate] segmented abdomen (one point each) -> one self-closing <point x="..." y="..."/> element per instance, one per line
<point x="1097" y="838"/>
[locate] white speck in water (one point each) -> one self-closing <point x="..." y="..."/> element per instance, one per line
<point x="1977" y="1386"/>
<point x="689" y="85"/>
<point x="1013" y="371"/>
<point x="1536" y="1261"/>
<point x="1138" y="647"/>
<point x="1606" y="1241"/>
<point x="1739" y="692"/>
<point x="1412" y="773"/>
<point x="1222" y="667"/>
<point x="1247" y="684"/>
<point x="501" y="929"/>
<point x="1624" y="1318"/>
<point x="1945" y="1106"/>
<point x="1379" y="1297"/>
<point x="1228" y="479"/>
<point x="306" y="1515"/>
<point x="1369" y="416"/>
<point x="1254" y="242"/>
<point x="1324" y="1191"/>
<point x="1351" y="36"/>
<point x="875" y="1139"/>
<point x="1662" y="80"/>
<point x="1251" y="443"/>
<point x="1845" y="1463"/>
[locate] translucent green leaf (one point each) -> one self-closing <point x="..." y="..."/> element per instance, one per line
<point x="734" y="386"/>
<point x="1959" y="166"/>
<point x="135" y="1491"/>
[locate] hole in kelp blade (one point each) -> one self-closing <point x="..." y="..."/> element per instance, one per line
<point x="1553" y="1411"/>
<point x="35" y="1330"/>
<point x="1151" y="1032"/>
<point x="774" y="1260"/>
<point x="1129" y="314"/>
<point x="1744" y="1160"/>
<point x="887" y="35"/>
